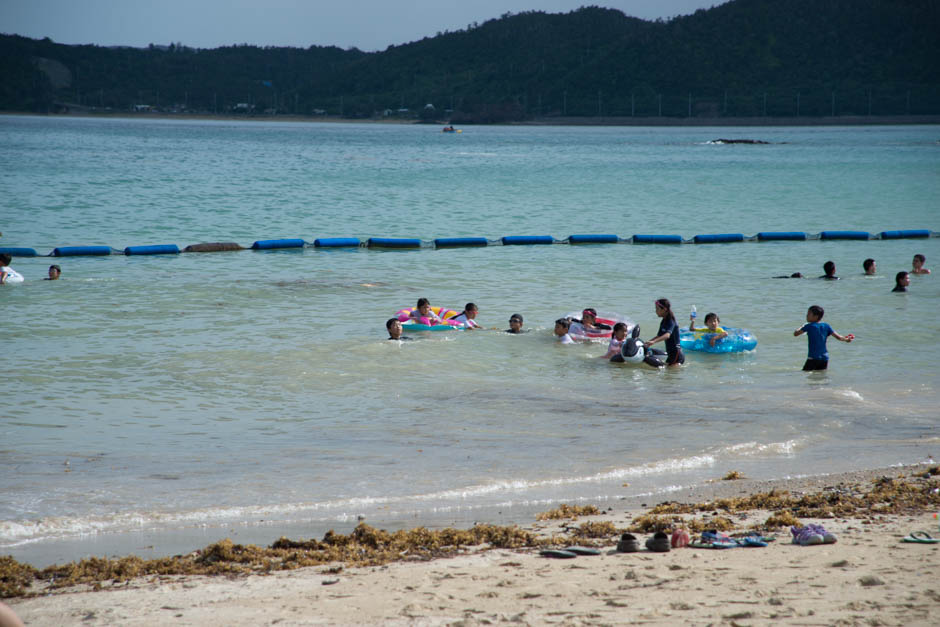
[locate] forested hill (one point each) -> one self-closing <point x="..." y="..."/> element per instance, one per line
<point x="742" y="58"/>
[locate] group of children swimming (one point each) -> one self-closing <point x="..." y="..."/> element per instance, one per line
<point x="816" y="331"/>
<point x="901" y="280"/>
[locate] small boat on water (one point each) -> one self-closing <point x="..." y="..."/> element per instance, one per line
<point x="451" y="129"/>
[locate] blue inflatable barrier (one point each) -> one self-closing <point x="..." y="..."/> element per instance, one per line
<point x="593" y="239"/>
<point x="845" y="235"/>
<point x="454" y="242"/>
<point x="908" y="234"/>
<point x="337" y="242"/>
<point x="718" y="238"/>
<point x="457" y="242"/>
<point x="527" y="240"/>
<point x="272" y="244"/>
<point x="738" y="340"/>
<point x="160" y="249"/>
<point x="657" y="239"/>
<point x="389" y="242"/>
<point x="19" y="252"/>
<point x="75" y="251"/>
<point x="777" y="236"/>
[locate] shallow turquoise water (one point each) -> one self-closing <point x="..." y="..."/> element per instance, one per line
<point x="169" y="401"/>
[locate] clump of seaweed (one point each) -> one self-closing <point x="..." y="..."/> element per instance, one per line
<point x="14" y="577"/>
<point x="652" y="523"/>
<point x="780" y="519"/>
<point x="572" y="512"/>
<point x="604" y="529"/>
<point x="884" y="496"/>
<point x="732" y="475"/>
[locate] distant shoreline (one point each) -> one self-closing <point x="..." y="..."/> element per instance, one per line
<point x="853" y="120"/>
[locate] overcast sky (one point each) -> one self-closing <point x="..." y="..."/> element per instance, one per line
<point x="365" y="24"/>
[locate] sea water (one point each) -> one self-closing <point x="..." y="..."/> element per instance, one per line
<point x="155" y="404"/>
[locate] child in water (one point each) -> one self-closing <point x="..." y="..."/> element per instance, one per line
<point x="901" y="280"/>
<point x="515" y="324"/>
<point x="8" y="274"/>
<point x="617" y="339"/>
<point x="467" y="316"/>
<point x="668" y="333"/>
<point x="817" y="332"/>
<point x="423" y="314"/>
<point x="54" y="272"/>
<point x="561" y="331"/>
<point x="830" y="269"/>
<point x="917" y="265"/>
<point x="869" y="266"/>
<point x="711" y="327"/>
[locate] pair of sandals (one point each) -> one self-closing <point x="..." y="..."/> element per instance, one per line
<point x="659" y="542"/>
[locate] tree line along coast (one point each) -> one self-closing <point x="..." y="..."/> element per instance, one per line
<point x="745" y="60"/>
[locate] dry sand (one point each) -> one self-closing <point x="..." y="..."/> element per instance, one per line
<point x="868" y="577"/>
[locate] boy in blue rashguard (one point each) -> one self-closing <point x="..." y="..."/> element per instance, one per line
<point x="817" y="332"/>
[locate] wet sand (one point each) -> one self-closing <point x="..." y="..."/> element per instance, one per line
<point x="867" y="577"/>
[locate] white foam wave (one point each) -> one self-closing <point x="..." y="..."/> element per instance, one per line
<point x="16" y="532"/>
<point x="852" y="394"/>
<point x="749" y="449"/>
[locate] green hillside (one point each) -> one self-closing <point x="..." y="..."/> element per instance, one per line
<point x="743" y="58"/>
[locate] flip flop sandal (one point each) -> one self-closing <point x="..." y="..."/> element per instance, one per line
<point x="921" y="537"/>
<point x="757" y="536"/>
<point x="557" y="553"/>
<point x="581" y="550"/>
<point x="713" y="545"/>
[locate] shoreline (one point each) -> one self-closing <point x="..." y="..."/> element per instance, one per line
<point x="763" y="121"/>
<point x="158" y="543"/>
<point x="867" y="575"/>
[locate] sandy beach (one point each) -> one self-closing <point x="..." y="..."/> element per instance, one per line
<point x="868" y="577"/>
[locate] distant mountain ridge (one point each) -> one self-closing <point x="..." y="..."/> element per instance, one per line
<point x="742" y="58"/>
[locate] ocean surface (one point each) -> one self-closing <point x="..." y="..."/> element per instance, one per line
<point x="153" y="405"/>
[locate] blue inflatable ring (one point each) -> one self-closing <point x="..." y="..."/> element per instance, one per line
<point x="738" y="340"/>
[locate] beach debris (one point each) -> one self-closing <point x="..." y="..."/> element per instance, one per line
<point x="732" y="476"/>
<point x="568" y="511"/>
<point x="871" y="580"/>
<point x="596" y="530"/>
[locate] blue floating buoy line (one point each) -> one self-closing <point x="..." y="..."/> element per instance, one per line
<point x="404" y="243"/>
